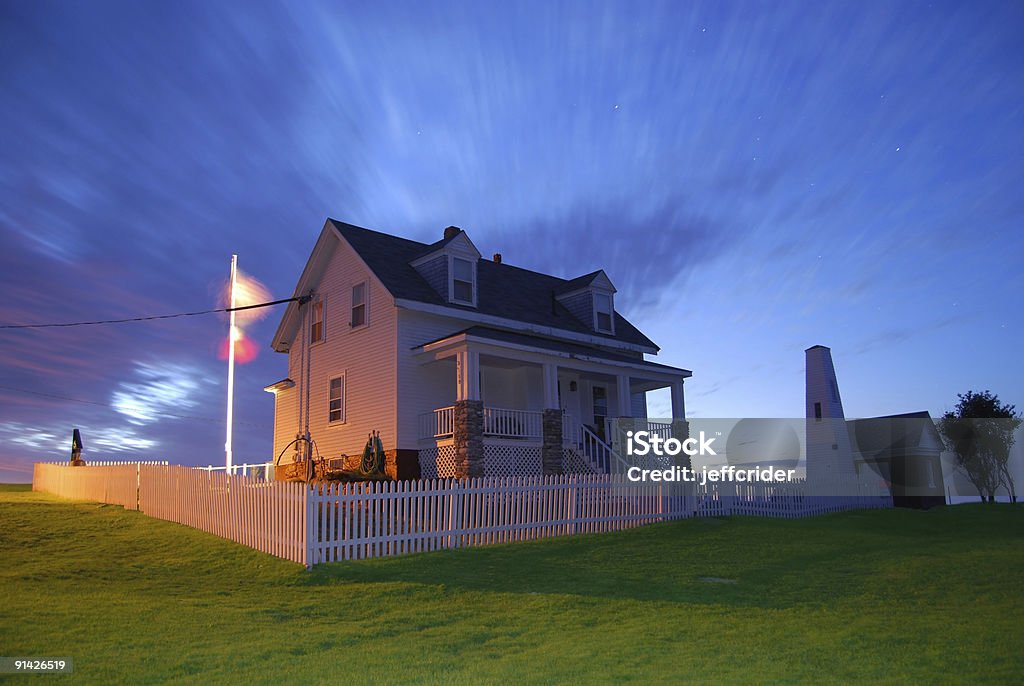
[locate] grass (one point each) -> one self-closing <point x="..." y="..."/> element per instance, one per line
<point x="879" y="596"/>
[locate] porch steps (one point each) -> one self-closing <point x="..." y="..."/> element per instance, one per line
<point x="596" y="453"/>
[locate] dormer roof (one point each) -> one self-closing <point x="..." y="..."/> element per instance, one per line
<point x="457" y="242"/>
<point x="597" y="279"/>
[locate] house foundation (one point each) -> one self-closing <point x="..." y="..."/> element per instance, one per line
<point x="402" y="464"/>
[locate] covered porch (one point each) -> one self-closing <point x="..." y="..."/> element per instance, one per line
<point x="509" y="404"/>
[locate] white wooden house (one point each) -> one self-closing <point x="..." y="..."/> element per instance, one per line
<point x="466" y="366"/>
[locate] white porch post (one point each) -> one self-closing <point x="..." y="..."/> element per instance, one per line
<point x="678" y="403"/>
<point x="625" y="398"/>
<point x="551" y="387"/>
<point x="467" y="375"/>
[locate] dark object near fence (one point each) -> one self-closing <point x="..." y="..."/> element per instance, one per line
<point x="76" y="449"/>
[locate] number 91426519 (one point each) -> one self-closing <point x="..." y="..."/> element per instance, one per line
<point x="35" y="665"/>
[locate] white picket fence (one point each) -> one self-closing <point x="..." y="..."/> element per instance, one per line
<point x="116" y="483"/>
<point x="789" y="500"/>
<point x="325" y="523"/>
<point x="363" y="520"/>
<point x="265" y="515"/>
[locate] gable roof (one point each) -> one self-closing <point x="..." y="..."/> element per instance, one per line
<point x="581" y="282"/>
<point x="502" y="290"/>
<point x="437" y="246"/>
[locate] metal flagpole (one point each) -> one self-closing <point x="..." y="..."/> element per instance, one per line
<point x="232" y="335"/>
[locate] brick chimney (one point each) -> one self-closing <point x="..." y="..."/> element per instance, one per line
<point x="497" y="258"/>
<point x="451" y="232"/>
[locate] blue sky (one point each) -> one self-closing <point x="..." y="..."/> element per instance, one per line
<point x="756" y="178"/>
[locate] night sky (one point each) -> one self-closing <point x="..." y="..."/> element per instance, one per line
<point x="755" y="178"/>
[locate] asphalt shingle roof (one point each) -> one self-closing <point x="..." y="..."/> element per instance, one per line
<point x="502" y="289"/>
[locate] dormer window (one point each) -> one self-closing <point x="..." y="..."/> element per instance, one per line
<point x="603" y="320"/>
<point x="450" y="267"/>
<point x="463" y="284"/>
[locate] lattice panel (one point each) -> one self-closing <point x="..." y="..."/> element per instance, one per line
<point x="512" y="460"/>
<point x="574" y="463"/>
<point x="437" y="463"/>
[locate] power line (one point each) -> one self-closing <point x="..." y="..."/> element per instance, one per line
<point x="300" y="299"/>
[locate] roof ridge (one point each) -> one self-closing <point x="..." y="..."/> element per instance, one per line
<point x="392" y="236"/>
<point x="439" y="243"/>
<point x="523" y="269"/>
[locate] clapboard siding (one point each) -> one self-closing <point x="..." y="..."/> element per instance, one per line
<point x="422" y="388"/>
<point x="286" y="419"/>
<point x="365" y="356"/>
<point x="435" y="272"/>
<point x="582" y="306"/>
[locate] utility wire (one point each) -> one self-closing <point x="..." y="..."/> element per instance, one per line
<point x="301" y="299"/>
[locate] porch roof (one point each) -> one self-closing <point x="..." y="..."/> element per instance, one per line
<point x="573" y="350"/>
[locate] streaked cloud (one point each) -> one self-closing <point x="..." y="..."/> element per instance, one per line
<point x="754" y="179"/>
<point x="158" y="389"/>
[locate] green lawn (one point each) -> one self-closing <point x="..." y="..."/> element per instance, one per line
<point x="880" y="596"/>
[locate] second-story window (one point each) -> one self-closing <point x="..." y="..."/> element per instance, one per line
<point x="359" y="305"/>
<point x="462" y="281"/>
<point x="336" y="400"/>
<point x="316" y="321"/>
<point x="603" y="313"/>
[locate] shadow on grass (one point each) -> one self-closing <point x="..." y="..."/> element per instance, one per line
<point x="733" y="561"/>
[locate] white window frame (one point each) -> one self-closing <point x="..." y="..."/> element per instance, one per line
<point x="451" y="280"/>
<point x="611" y="312"/>
<point x="365" y="305"/>
<point x="343" y="399"/>
<point x="322" y="302"/>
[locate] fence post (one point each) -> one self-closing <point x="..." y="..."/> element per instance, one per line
<point x="572" y="506"/>
<point x="454" y="513"/>
<point x="727" y="489"/>
<point x="309" y="536"/>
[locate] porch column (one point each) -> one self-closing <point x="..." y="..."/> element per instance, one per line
<point x="678" y="404"/>
<point x="680" y="427"/>
<point x="551" y="449"/>
<point x="468" y="416"/>
<point x="625" y="397"/>
<point x="551" y="386"/>
<point x="468" y="438"/>
<point x="467" y="375"/>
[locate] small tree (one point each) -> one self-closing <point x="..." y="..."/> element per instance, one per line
<point x="980" y="432"/>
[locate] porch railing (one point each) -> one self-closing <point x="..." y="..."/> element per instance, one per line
<point x="498" y="422"/>
<point x="600" y="454"/>
<point x="263" y="471"/>
<point x="437" y="424"/>
<point x="513" y="423"/>
<point x="660" y="429"/>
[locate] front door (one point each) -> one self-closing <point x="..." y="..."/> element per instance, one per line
<point x="600" y="396"/>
